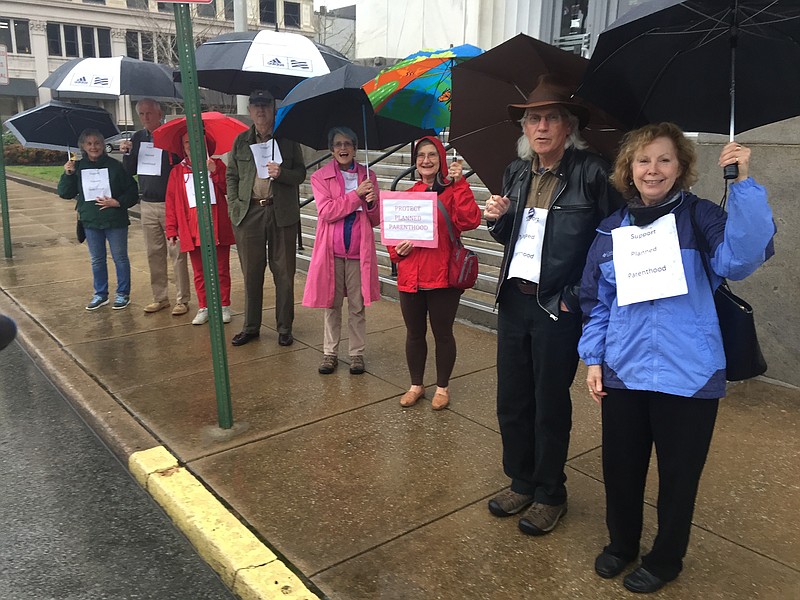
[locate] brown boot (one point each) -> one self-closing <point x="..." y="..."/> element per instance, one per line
<point x="328" y="364"/>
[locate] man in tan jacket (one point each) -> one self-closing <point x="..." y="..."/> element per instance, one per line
<point x="264" y="209"/>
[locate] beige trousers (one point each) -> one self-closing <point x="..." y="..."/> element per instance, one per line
<point x="347" y="277"/>
<point x="153" y="215"/>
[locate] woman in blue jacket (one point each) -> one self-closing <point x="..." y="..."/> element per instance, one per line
<point x="651" y="338"/>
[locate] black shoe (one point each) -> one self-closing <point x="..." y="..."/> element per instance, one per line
<point x="241" y="338"/>
<point x="285" y="339"/>
<point x="607" y="565"/>
<point x="642" y="581"/>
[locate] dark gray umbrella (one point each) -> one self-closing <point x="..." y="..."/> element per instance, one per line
<point x="319" y="103"/>
<point x="114" y="76"/>
<point x="719" y="66"/>
<point x="238" y="63"/>
<point x="57" y="125"/>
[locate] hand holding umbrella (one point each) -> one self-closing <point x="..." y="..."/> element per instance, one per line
<point x="737" y="155"/>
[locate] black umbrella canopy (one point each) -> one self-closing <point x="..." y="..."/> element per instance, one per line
<point x="667" y="60"/>
<point x="480" y="127"/>
<point x="58" y="125"/>
<point x="114" y="76"/>
<point x="240" y="62"/>
<point x="315" y="105"/>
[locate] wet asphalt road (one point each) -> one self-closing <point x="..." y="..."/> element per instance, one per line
<point x="74" y="524"/>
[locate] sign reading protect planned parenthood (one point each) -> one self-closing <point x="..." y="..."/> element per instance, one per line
<point x="409" y="216"/>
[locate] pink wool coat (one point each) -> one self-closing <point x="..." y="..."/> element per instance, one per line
<point x="333" y="205"/>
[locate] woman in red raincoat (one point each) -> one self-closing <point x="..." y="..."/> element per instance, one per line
<point x="422" y="273"/>
<point x="181" y="221"/>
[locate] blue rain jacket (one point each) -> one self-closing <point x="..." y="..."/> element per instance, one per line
<point x="674" y="345"/>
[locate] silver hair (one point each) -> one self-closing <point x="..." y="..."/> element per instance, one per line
<point x="155" y="103"/>
<point x="574" y="140"/>
<point x="342" y="130"/>
<point x="91" y="133"/>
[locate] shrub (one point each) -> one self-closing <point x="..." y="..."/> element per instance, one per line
<point x="15" y="154"/>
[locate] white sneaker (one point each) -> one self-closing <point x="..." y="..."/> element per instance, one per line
<point x="201" y="317"/>
<point x="226" y="314"/>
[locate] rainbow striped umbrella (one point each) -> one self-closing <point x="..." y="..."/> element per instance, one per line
<point x="417" y="90"/>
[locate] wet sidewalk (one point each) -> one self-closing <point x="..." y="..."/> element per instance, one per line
<point x="363" y="499"/>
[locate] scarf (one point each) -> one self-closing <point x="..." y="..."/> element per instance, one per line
<point x="641" y="215"/>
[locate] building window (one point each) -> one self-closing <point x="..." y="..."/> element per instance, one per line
<point x="54" y="39"/>
<point x="94" y="1"/>
<point x="291" y="14"/>
<point x="87" y="42"/>
<point x="165" y="7"/>
<point x="15" y="35"/>
<point x="147" y="47"/>
<point x="267" y="11"/>
<point x="132" y="44"/>
<point x="104" y="43"/>
<point x="71" y="41"/>
<point x="207" y="10"/>
<point x="140" y="4"/>
<point x="228" y="10"/>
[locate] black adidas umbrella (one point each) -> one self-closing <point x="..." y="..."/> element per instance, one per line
<point x="238" y="63"/>
<point x="58" y="125"/>
<point x="114" y="76"/>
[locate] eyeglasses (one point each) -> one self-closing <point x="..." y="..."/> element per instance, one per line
<point x="344" y="144"/>
<point x="551" y="118"/>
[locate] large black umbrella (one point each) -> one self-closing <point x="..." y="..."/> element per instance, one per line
<point x="114" y="76"/>
<point x="57" y="125"/>
<point x="480" y="127"/>
<point x="719" y="66"/>
<point x="319" y="103"/>
<point x="238" y="63"/>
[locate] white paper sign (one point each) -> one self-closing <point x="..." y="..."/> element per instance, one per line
<point x="95" y="184"/>
<point x="263" y="153"/>
<point x="647" y="262"/>
<point x="409" y="216"/>
<point x="188" y="180"/>
<point x="149" y="159"/>
<point x="527" y="260"/>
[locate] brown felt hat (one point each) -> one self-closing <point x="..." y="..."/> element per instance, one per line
<point x="548" y="91"/>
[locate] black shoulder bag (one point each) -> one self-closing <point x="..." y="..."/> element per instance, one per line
<point x="743" y="356"/>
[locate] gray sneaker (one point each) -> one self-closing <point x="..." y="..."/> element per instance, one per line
<point x="541" y="518"/>
<point x="509" y="503"/>
<point x="328" y="364"/>
<point x="357" y="366"/>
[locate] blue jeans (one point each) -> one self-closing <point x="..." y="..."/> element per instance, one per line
<point x="118" y="242"/>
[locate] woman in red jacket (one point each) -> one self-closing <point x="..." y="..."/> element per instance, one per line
<point x="181" y="221"/>
<point x="422" y="273"/>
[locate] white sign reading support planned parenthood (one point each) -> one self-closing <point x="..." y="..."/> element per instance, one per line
<point x="647" y="262"/>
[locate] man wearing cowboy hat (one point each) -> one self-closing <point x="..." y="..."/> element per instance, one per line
<point x="552" y="199"/>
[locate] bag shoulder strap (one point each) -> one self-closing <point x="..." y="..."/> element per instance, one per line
<point x="453" y="237"/>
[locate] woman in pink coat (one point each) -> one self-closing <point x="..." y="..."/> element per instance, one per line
<point x="181" y="226"/>
<point x="344" y="261"/>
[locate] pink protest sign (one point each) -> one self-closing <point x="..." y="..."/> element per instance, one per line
<point x="409" y="216"/>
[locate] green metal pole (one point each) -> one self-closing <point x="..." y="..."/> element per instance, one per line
<point x="4" y="200"/>
<point x="194" y="122"/>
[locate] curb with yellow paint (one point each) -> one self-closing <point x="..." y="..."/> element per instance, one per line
<point x="245" y="564"/>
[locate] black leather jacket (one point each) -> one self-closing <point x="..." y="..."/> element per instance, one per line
<point x="582" y="199"/>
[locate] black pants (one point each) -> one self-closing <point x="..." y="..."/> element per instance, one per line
<point x="441" y="305"/>
<point x="681" y="429"/>
<point x="536" y="362"/>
